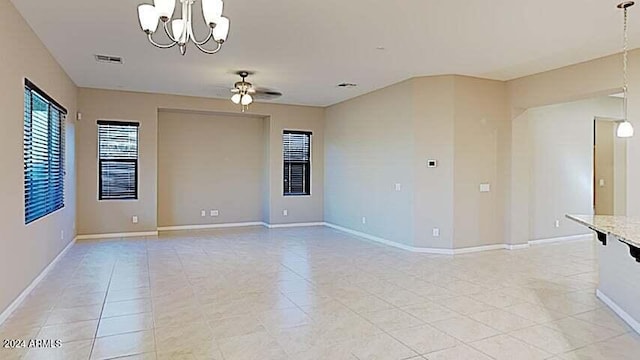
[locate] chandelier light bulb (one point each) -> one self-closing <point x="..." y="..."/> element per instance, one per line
<point x="212" y="11"/>
<point x="625" y="129"/>
<point x="247" y="100"/>
<point x="148" y="16"/>
<point x="165" y="8"/>
<point x="178" y="27"/>
<point x="221" y="31"/>
<point x="236" y="98"/>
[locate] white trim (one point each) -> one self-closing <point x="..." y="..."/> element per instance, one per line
<point x="479" y="249"/>
<point x="516" y="246"/>
<point x="580" y="237"/>
<point x="210" y="226"/>
<point x="293" y="225"/>
<point x="635" y="325"/>
<point x="16" y="303"/>
<point x="116" y="235"/>
<point x="391" y="243"/>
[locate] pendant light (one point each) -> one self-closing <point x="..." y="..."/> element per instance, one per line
<point x="625" y="128"/>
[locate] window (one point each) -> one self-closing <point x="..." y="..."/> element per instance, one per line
<point x="297" y="162"/>
<point x="43" y="154"/>
<point x="118" y="160"/>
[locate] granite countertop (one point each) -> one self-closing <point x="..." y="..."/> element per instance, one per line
<point x="625" y="228"/>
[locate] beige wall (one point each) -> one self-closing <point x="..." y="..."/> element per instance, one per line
<point x="208" y="161"/>
<point x="604" y="173"/>
<point x="27" y="250"/>
<point x="597" y="77"/>
<point x="102" y="217"/>
<point x="481" y="155"/>
<point x="386" y="137"/>
<point x="561" y="173"/>
<point x="369" y="149"/>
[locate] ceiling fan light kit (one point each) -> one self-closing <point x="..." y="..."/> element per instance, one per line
<point x="243" y="91"/>
<point x="180" y="31"/>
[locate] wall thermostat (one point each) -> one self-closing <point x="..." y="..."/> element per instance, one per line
<point x="432" y="163"/>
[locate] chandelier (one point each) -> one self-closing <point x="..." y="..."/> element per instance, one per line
<point x="242" y="91"/>
<point x="180" y="31"/>
<point x="625" y="128"/>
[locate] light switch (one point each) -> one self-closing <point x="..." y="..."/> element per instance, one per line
<point x="485" y="187"/>
<point x="601" y="182"/>
<point x="203" y="213"/>
<point x="398" y="187"/>
<point x="436" y="232"/>
<point x="134" y="219"/>
<point x="285" y="212"/>
<point x="214" y="213"/>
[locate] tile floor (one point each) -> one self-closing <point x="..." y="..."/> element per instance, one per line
<point x="315" y="293"/>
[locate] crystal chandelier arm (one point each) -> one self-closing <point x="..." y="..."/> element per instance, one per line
<point x="161" y="46"/>
<point x="210" y="52"/>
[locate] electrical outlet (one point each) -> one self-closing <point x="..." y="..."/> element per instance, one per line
<point x="436" y="232"/>
<point x="364" y="220"/>
<point x="214" y="213"/>
<point x="134" y="219"/>
<point x="557" y="223"/>
<point x="285" y="212"/>
<point x="61" y="234"/>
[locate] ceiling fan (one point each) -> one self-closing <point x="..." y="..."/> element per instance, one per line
<point x="244" y="93"/>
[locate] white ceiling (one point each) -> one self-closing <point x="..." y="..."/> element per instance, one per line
<point x="304" y="48"/>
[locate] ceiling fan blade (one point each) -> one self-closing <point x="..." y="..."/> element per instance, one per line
<point x="267" y="94"/>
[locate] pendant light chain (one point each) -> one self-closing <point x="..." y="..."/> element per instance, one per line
<point x="625" y="60"/>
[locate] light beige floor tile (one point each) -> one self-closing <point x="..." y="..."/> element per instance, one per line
<point x="128" y="294"/>
<point x="256" y="346"/>
<point x="70" y="315"/>
<point x="430" y="313"/>
<point x="123" y="345"/>
<point x="393" y="319"/>
<point x="460" y="352"/>
<point x="604" y="317"/>
<point x="381" y="347"/>
<point x="465" y="305"/>
<point x="130" y="307"/>
<point x="125" y="324"/>
<point x="549" y="339"/>
<point x="235" y="326"/>
<point x="465" y="329"/>
<point x="504" y="347"/>
<point x="81" y="330"/>
<point x="424" y="339"/>
<point x="582" y="329"/>
<point x="535" y="313"/>
<point x="502" y="320"/>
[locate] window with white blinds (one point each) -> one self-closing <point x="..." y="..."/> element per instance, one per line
<point x="43" y="151"/>
<point x="297" y="162"/>
<point x="118" y="160"/>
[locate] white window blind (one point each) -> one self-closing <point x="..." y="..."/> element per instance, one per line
<point x="118" y="160"/>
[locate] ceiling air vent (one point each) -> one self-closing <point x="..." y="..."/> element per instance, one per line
<point x="347" y="85"/>
<point x="109" y="59"/>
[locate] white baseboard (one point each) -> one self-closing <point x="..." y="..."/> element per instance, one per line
<point x="391" y="243"/>
<point x="580" y="237"/>
<point x="635" y="325"/>
<point x="210" y="226"/>
<point x="293" y="225"/>
<point x="516" y="246"/>
<point x="23" y="295"/>
<point x="479" y="249"/>
<point x="116" y="235"/>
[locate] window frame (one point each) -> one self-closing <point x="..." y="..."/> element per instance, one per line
<point x="308" y="172"/>
<point x="52" y="178"/>
<point x="135" y="162"/>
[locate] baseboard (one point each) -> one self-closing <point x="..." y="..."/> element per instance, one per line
<point x="293" y="225"/>
<point x="479" y="249"/>
<point x="116" y="235"/>
<point x="635" y="325"/>
<point x="516" y="246"/>
<point x="562" y="239"/>
<point x="210" y="226"/>
<point x="16" y="303"/>
<point x="391" y="243"/>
